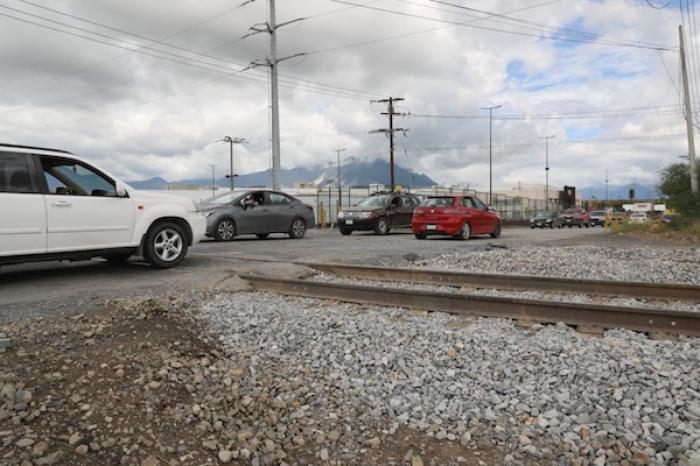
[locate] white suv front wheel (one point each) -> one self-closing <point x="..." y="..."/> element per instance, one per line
<point x="165" y="245"/>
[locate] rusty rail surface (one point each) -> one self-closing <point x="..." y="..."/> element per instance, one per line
<point x="515" y="282"/>
<point x="586" y="315"/>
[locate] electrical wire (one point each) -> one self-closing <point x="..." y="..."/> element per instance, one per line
<point x="303" y="84"/>
<point x="505" y="31"/>
<point x="139" y="48"/>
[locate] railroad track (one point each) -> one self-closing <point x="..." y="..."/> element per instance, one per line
<point x="587" y="317"/>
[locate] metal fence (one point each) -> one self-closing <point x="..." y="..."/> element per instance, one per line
<point x="328" y="201"/>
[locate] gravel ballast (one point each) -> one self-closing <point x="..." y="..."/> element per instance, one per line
<point x="547" y="396"/>
<point x="642" y="264"/>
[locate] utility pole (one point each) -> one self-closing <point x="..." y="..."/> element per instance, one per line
<point x="390" y="101"/>
<point x="272" y="62"/>
<point x="231" y="141"/>
<point x="688" y="116"/>
<point x="213" y="180"/>
<point x="340" y="186"/>
<point x="491" y="109"/>
<point x="606" y="188"/>
<point x="546" y="167"/>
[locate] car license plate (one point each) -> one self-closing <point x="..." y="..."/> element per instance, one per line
<point x="349" y="222"/>
<point x="432" y="227"/>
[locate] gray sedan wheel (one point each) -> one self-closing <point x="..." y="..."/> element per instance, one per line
<point x="298" y="229"/>
<point x="225" y="230"/>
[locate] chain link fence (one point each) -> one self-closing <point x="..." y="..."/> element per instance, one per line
<point x="329" y="201"/>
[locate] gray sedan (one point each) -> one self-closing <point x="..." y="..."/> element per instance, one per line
<point x="258" y="213"/>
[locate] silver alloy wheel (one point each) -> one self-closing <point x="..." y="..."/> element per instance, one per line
<point x="168" y="245"/>
<point x="382" y="227"/>
<point x="466" y="231"/>
<point x="298" y="228"/>
<point x="225" y="230"/>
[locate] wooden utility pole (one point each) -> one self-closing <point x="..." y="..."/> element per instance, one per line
<point x="688" y="116"/>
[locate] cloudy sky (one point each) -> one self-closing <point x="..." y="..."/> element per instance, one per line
<point x="146" y="88"/>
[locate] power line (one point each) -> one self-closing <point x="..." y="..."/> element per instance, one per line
<point x="415" y="33"/>
<point x="487" y="28"/>
<point x="540" y="26"/>
<point x="139" y="48"/>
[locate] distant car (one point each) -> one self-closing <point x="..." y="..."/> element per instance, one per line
<point x="257" y="213"/>
<point x="597" y="217"/>
<point x="546" y="219"/>
<point x="379" y="212"/>
<point x="638" y="217"/>
<point x="458" y="216"/>
<point x="575" y="217"/>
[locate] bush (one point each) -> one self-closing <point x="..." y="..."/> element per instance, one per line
<point x="675" y="185"/>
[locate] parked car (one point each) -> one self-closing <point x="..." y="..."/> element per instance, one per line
<point x="575" y="217"/>
<point x="57" y="206"/>
<point x="546" y="219"/>
<point x="379" y="212"/>
<point x="638" y="217"/>
<point x="459" y="216"/>
<point x="597" y="217"/>
<point x="257" y="213"/>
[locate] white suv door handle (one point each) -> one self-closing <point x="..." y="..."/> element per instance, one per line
<point x="61" y="204"/>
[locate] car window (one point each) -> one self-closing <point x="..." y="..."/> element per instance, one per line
<point x="410" y="202"/>
<point x="438" y="201"/>
<point x="395" y="201"/>
<point x="68" y="177"/>
<point x="222" y="199"/>
<point x="373" y="201"/>
<point x="15" y="174"/>
<point x="479" y="203"/>
<point x="254" y="198"/>
<point x="468" y="202"/>
<point x="279" y="199"/>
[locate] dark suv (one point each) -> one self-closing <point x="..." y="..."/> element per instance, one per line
<point x="378" y="212"/>
<point x="576" y="216"/>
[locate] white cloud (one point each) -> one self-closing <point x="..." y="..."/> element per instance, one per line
<point x="145" y="117"/>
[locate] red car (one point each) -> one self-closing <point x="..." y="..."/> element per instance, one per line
<point x="459" y="216"/>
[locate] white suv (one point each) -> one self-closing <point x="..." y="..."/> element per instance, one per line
<point x="56" y="206"/>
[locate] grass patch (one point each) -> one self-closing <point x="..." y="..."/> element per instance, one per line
<point x="681" y="228"/>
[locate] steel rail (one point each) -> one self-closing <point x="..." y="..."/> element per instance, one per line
<point x="586" y="315"/>
<point x="517" y="282"/>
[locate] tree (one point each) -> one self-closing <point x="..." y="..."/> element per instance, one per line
<point x="675" y="185"/>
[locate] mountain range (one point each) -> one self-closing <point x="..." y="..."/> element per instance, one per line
<point x="352" y="174"/>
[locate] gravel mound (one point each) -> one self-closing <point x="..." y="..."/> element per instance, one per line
<point x="549" y="396"/>
<point x="643" y="264"/>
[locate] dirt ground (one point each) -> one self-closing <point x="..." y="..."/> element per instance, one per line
<point x="119" y="386"/>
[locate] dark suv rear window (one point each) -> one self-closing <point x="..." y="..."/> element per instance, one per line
<point x="15" y="174"/>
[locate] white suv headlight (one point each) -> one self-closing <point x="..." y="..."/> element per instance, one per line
<point x="341" y="214"/>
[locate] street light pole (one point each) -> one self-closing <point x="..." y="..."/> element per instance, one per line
<point x="491" y="109"/>
<point x="231" y="141"/>
<point x="546" y="168"/>
<point x="213" y="180"/>
<point x="340" y="186"/>
<point x="606" y="188"/>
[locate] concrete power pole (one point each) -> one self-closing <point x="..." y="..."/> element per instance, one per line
<point x="546" y="168"/>
<point x="213" y="180"/>
<point x="272" y="62"/>
<point x="688" y="116"/>
<point x="390" y="111"/>
<point x="491" y="109"/>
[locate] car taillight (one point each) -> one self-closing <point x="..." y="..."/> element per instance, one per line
<point x="419" y="211"/>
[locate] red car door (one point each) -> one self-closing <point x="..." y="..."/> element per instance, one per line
<point x="474" y="215"/>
